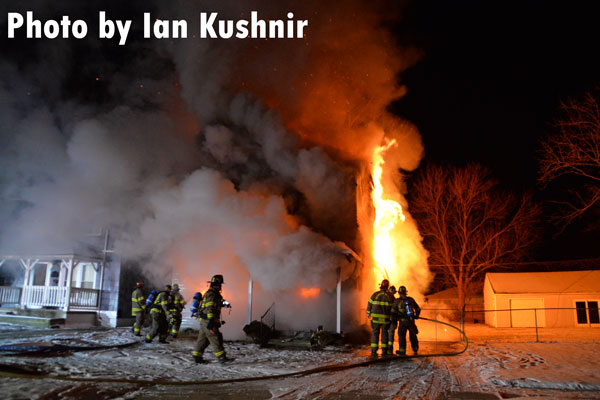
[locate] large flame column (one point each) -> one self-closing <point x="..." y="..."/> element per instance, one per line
<point x="392" y="244"/>
<point x="388" y="213"/>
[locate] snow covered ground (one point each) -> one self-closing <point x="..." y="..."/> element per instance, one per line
<point x="498" y="364"/>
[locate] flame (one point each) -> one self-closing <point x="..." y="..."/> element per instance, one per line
<point x="310" y="293"/>
<point x="388" y="214"/>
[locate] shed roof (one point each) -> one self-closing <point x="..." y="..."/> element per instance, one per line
<point x="545" y="282"/>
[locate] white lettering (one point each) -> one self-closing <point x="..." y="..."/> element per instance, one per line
<point x="146" y="25"/>
<point x="226" y="34"/>
<point x="180" y="29"/>
<point x="300" y="25"/>
<point x="107" y="27"/>
<point x="290" y="25"/>
<point x="206" y="26"/>
<point x="51" y="29"/>
<point x="255" y="24"/>
<point x="123" y="31"/>
<point x="276" y="26"/>
<point x="15" y="21"/>
<point x="242" y="28"/>
<point x="161" y="29"/>
<point x="255" y="28"/>
<point x="31" y="23"/>
<point x="79" y="29"/>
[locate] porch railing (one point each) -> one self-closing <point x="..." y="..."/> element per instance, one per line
<point x="84" y="298"/>
<point x="10" y="295"/>
<point x="56" y="296"/>
<point x="44" y="296"/>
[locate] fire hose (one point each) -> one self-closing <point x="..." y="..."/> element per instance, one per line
<point x="57" y="348"/>
<point x="23" y="373"/>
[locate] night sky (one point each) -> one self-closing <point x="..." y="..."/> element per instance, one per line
<point x="489" y="86"/>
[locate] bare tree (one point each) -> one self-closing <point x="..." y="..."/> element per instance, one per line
<point x="575" y="152"/>
<point x="469" y="224"/>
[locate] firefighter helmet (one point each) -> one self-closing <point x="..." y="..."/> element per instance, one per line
<point x="217" y="280"/>
<point x="402" y="290"/>
<point x="175" y="286"/>
<point x="392" y="289"/>
<point x="168" y="287"/>
<point x="139" y="284"/>
<point x="385" y="284"/>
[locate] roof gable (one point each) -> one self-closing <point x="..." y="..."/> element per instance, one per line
<point x="545" y="282"/>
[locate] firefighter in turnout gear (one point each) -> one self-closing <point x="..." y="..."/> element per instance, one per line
<point x="210" y="322"/>
<point x="160" y="311"/>
<point x="138" y="307"/>
<point x="176" y="310"/>
<point x="406" y="310"/>
<point x="379" y="310"/>
<point x="393" y="324"/>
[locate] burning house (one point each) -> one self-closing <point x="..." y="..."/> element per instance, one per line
<point x="262" y="160"/>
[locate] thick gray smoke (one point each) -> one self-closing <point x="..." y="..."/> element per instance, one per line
<point x="191" y="167"/>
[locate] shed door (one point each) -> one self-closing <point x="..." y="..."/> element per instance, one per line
<point x="523" y="315"/>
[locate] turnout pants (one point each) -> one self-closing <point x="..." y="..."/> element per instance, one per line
<point x="139" y="322"/>
<point x="404" y="326"/>
<point x="391" y="333"/>
<point x="159" y="326"/>
<point x="377" y="328"/>
<point x="176" y="324"/>
<point x="206" y="337"/>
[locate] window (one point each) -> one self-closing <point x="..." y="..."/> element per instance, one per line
<point x="587" y="313"/>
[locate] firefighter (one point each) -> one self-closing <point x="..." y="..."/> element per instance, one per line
<point x="176" y="310"/>
<point x="160" y="311"/>
<point x="406" y="310"/>
<point x="210" y="322"/>
<point x="379" y="309"/>
<point x="393" y="324"/>
<point x="138" y="307"/>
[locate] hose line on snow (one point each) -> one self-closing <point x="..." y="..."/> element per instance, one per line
<point x="10" y="371"/>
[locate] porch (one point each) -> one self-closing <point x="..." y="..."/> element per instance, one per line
<point x="65" y="282"/>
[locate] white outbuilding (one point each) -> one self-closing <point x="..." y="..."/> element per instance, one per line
<point x="545" y="299"/>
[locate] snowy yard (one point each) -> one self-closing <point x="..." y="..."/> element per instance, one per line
<point x="498" y="364"/>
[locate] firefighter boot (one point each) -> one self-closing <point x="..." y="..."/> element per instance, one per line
<point x="374" y="353"/>
<point x="224" y="359"/>
<point x="400" y="353"/>
<point x="199" y="360"/>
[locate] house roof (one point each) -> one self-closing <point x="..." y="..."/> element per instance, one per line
<point x="545" y="282"/>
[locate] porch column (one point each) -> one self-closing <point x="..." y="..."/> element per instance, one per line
<point x="70" y="265"/>
<point x="249" y="301"/>
<point x="28" y="265"/>
<point x="61" y="274"/>
<point x="338" y="319"/>
<point x="100" y="285"/>
<point x="48" y="272"/>
<point x="79" y="277"/>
